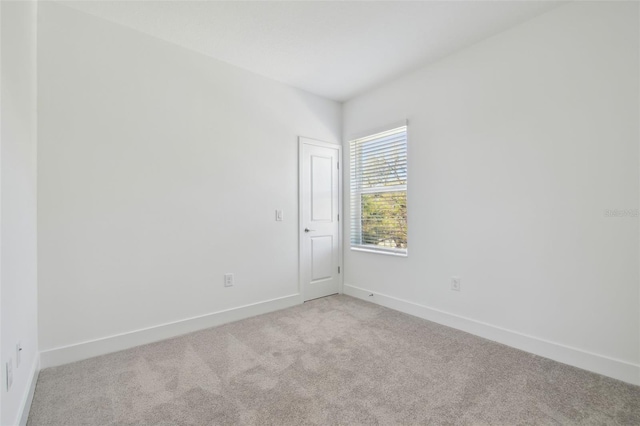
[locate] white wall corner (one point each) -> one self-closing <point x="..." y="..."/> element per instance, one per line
<point x="25" y="407"/>
<point x="601" y="364"/>
<point x="89" y="349"/>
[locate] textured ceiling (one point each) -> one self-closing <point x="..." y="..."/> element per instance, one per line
<point x="333" y="49"/>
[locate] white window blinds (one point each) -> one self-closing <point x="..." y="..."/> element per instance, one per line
<point x="378" y="165"/>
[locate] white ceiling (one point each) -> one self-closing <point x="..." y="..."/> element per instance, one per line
<point x="333" y="49"/>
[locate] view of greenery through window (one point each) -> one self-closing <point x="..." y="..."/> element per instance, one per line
<point x="379" y="191"/>
<point x="384" y="219"/>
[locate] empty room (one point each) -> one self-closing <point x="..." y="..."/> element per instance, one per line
<point x="319" y="212"/>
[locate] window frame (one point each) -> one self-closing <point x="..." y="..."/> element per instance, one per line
<point x="354" y="191"/>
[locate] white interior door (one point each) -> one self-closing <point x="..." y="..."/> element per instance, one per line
<point x="320" y="244"/>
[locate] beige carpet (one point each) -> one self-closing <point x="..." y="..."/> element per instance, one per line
<point x="336" y="360"/>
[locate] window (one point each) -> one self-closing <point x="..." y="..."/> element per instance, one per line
<point x="378" y="165"/>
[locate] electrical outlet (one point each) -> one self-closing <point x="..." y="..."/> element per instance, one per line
<point x="9" y="374"/>
<point x="279" y="215"/>
<point x="228" y="280"/>
<point x="455" y="283"/>
<point x="18" y="354"/>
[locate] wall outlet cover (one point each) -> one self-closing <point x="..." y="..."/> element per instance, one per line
<point x="455" y="283"/>
<point x="228" y="280"/>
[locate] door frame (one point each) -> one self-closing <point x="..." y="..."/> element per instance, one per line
<point x="309" y="141"/>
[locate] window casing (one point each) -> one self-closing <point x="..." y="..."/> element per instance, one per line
<point x="378" y="184"/>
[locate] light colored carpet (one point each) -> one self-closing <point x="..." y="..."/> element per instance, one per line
<point x="336" y="360"/>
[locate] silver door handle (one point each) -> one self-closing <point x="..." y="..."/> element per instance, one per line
<point x="308" y="230"/>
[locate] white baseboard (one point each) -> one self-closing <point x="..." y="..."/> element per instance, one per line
<point x="607" y="366"/>
<point x="25" y="407"/>
<point x="79" y="351"/>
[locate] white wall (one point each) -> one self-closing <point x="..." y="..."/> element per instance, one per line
<point x="517" y="146"/>
<point x="160" y="170"/>
<point x="18" y="287"/>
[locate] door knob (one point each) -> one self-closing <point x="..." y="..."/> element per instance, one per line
<point x="308" y="230"/>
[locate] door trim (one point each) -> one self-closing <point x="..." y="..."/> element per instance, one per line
<point x="308" y="141"/>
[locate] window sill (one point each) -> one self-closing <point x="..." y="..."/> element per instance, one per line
<point x="386" y="252"/>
